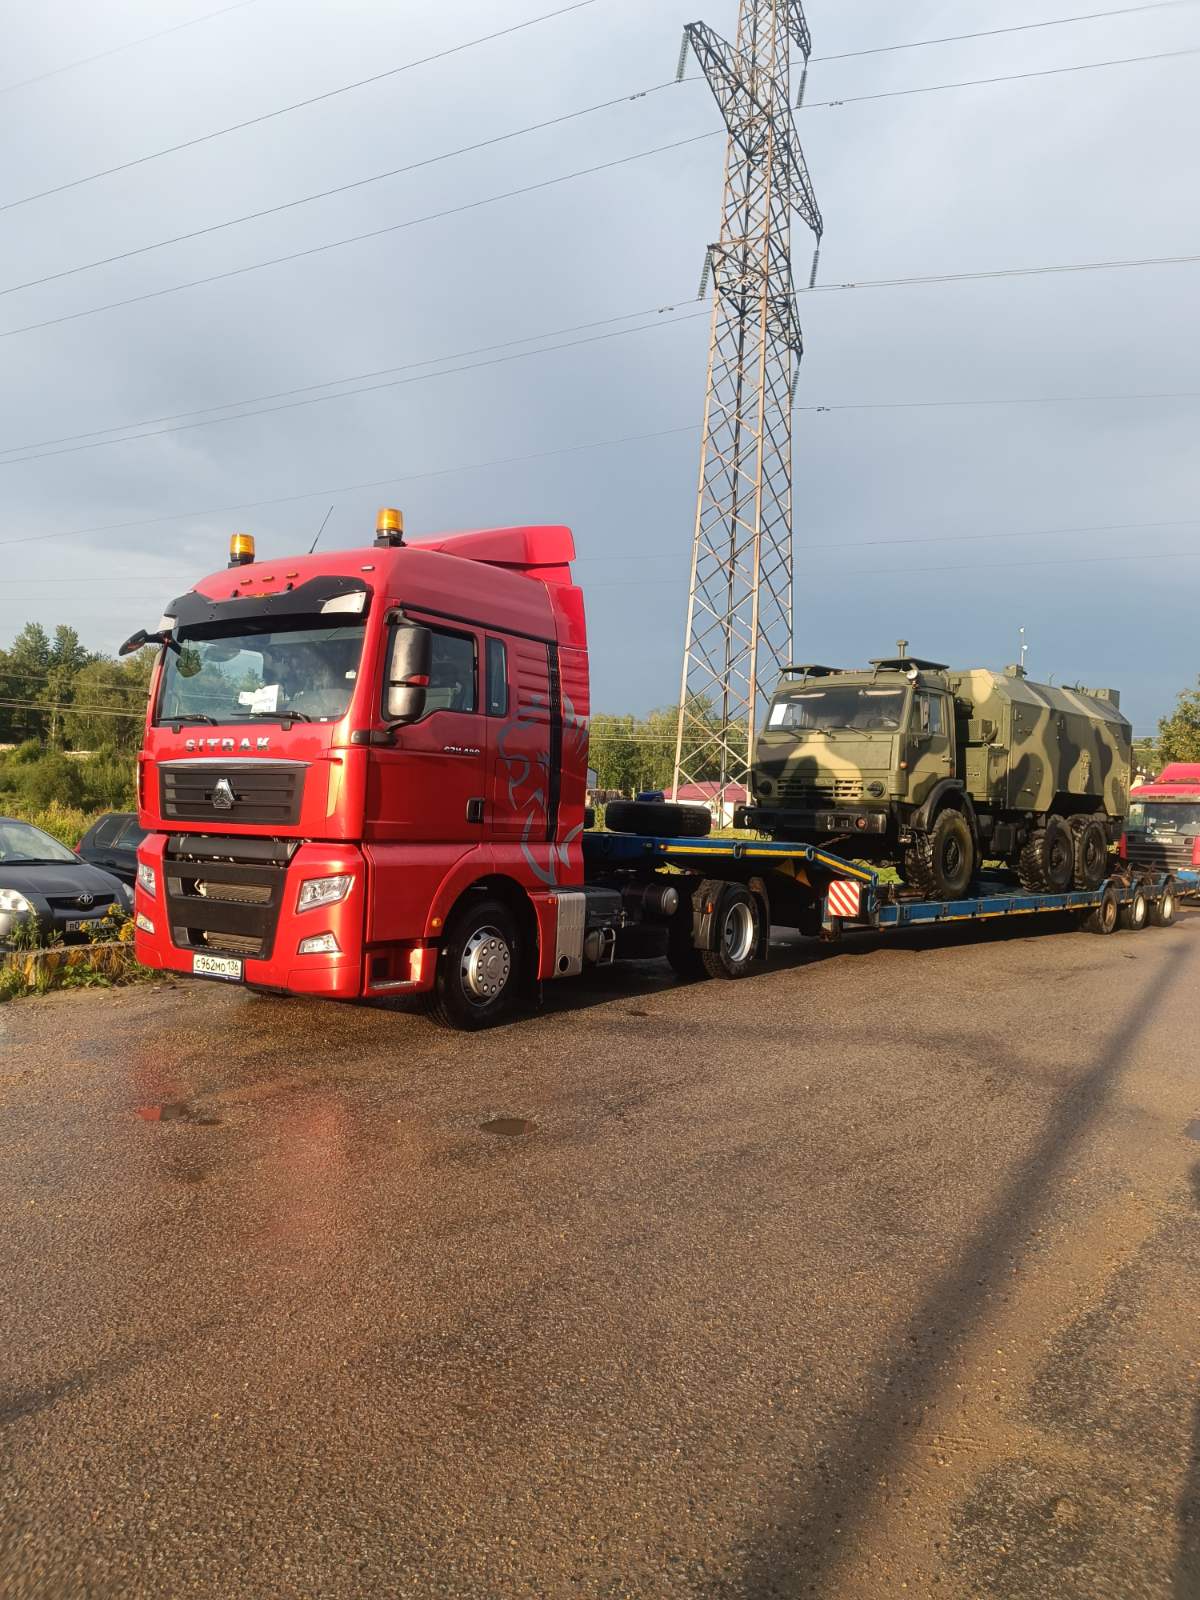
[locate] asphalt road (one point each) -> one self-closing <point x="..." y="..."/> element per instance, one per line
<point x="874" y="1275"/>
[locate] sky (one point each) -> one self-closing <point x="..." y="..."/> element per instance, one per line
<point x="1077" y="517"/>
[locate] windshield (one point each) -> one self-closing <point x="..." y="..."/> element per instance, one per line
<point x="1168" y="817"/>
<point x="844" y="706"/>
<point x="19" y="841"/>
<point x="249" y="674"/>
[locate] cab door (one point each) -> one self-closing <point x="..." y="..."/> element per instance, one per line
<point x="428" y="786"/>
<point x="930" y="752"/>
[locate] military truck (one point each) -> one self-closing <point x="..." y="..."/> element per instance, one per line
<point x="935" y="771"/>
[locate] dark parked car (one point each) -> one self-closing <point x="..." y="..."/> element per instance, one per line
<point x="111" y="842"/>
<point x="42" y="879"/>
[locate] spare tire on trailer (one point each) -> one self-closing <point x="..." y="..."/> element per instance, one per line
<point x="658" y="819"/>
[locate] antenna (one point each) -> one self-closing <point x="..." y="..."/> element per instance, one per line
<point x="739" y="618"/>
<point x="320" y="531"/>
<point x="1024" y="648"/>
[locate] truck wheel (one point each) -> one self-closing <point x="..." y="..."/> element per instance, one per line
<point x="1165" y="909"/>
<point x="941" y="863"/>
<point x="1135" y="911"/>
<point x="1047" y="863"/>
<point x="479" y="968"/>
<point x="737" y="929"/>
<point x="1106" y="916"/>
<point x="658" y="819"/>
<point x="1091" y="852"/>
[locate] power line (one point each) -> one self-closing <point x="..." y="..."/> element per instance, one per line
<point x="1006" y="77"/>
<point x="90" y="711"/>
<point x="991" y="33"/>
<point x="392" y="480"/>
<point x="298" y="105"/>
<point x="341" y="188"/>
<point x="44" y="677"/>
<point x="999" y="272"/>
<point x="328" y="383"/>
<point x="130" y="44"/>
<point x="516" y="133"/>
<point x="370" y="388"/>
<point x="359" y="238"/>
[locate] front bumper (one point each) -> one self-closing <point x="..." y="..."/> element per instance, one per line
<point x="837" y="820"/>
<point x="214" y="897"/>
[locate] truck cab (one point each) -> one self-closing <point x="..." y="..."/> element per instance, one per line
<point x="343" y="751"/>
<point x="1162" y="830"/>
<point x="853" y="754"/>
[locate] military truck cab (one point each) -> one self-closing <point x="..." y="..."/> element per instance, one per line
<point x="936" y="770"/>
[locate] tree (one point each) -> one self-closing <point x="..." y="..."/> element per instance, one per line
<point x="1179" y="734"/>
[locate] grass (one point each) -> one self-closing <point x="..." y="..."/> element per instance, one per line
<point x="32" y="967"/>
<point x="67" y="824"/>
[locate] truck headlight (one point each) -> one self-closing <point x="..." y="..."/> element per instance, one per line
<point x="146" y="878"/>
<point x="324" y="891"/>
<point x="10" y="900"/>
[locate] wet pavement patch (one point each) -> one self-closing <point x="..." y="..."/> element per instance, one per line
<point x="1192" y="1131"/>
<point x="509" y="1127"/>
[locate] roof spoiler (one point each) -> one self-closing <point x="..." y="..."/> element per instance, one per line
<point x="810" y="669"/>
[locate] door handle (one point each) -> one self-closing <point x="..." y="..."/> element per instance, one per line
<point x="475" y="810"/>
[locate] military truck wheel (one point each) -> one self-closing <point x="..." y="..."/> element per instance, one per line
<point x="1091" y="852"/>
<point x="1047" y="863"/>
<point x="1106" y="916"/>
<point x="1135" y="911"/>
<point x="1165" y="909"/>
<point x="941" y="863"/>
<point x="658" y="819"/>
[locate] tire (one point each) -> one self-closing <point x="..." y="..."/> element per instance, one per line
<point x="480" y="968"/>
<point x="1136" y="911"/>
<point x="941" y="863"/>
<point x="1107" y="915"/>
<point x="1165" y="909"/>
<point x="658" y="819"/>
<point x="1091" y="852"/>
<point x="1047" y="863"/>
<point x="738" y="931"/>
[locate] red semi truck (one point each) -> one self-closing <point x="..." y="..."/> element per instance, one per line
<point x="1162" y="830"/>
<point x="364" y="774"/>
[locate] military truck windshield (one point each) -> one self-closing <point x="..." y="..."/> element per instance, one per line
<point x="861" y="707"/>
<point x="253" y="676"/>
<point x="1167" y="817"/>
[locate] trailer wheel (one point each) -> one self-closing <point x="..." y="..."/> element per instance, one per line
<point x="1165" y="909"/>
<point x="480" y="966"/>
<point x="1135" y="911"/>
<point x="1106" y="916"/>
<point x="1047" y="863"/>
<point x="658" y="819"/>
<point x="941" y="863"/>
<point x="737" y="930"/>
<point x="1091" y="852"/>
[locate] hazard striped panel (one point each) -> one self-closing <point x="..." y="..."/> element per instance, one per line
<point x="844" y="897"/>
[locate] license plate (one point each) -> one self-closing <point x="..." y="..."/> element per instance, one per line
<point x="836" y="821"/>
<point x="217" y="967"/>
<point x="78" y="925"/>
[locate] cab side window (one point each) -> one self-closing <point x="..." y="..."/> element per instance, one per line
<point x="497" y="678"/>
<point x="927" y="714"/>
<point x="451" y="673"/>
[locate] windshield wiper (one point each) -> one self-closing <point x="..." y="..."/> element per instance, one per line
<point x="193" y="716"/>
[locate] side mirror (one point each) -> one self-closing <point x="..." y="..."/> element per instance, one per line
<point x="134" y="642"/>
<point x="409" y="667"/>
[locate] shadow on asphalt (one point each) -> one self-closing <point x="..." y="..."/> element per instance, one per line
<point x="1187" y="1570"/>
<point x="838" y="1492"/>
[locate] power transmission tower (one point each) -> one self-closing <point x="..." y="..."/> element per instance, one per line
<point x="739" y="621"/>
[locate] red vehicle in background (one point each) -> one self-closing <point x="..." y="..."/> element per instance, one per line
<point x="1162" y="830"/>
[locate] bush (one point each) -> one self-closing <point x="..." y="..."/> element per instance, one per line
<point x="67" y="824"/>
<point x="51" y="781"/>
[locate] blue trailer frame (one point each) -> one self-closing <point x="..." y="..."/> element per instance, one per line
<point x="879" y="905"/>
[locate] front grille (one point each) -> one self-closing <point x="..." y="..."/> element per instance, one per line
<point x="70" y="902"/>
<point x="1164" y="854"/>
<point x="825" y="792"/>
<point x="225" y="894"/>
<point x="264" y="791"/>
